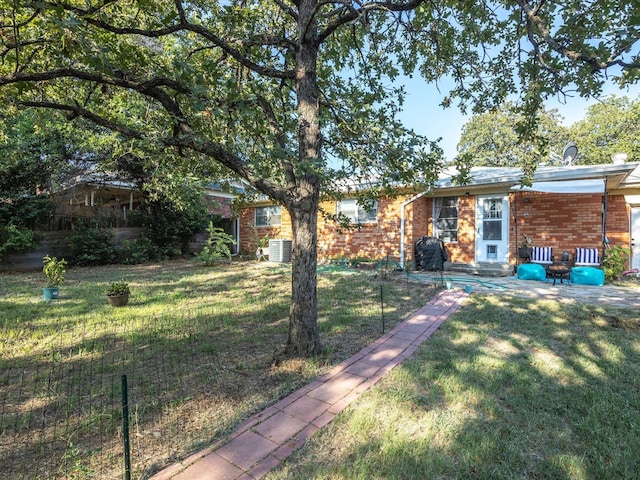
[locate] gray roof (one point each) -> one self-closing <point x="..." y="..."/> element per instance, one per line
<point x="620" y="176"/>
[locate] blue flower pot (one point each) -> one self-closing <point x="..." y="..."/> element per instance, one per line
<point x="50" y="293"/>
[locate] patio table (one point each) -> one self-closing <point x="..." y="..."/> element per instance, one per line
<point x="559" y="270"/>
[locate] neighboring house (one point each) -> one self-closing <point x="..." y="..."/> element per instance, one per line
<point x="112" y="203"/>
<point x="482" y="222"/>
<point x="109" y="201"/>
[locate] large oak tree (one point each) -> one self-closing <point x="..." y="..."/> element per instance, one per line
<point x="297" y="96"/>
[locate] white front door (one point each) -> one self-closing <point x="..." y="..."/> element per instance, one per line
<point x="635" y="237"/>
<point x="492" y="229"/>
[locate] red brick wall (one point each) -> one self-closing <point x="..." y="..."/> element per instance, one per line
<point x="463" y="249"/>
<point x="371" y="240"/>
<point x="563" y="222"/>
<point x="567" y="221"/>
<point x="250" y="235"/>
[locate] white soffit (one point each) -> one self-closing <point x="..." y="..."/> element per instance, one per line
<point x="565" y="186"/>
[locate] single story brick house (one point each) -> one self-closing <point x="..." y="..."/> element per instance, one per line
<point x="481" y="223"/>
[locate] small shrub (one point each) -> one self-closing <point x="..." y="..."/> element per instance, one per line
<point x="15" y="240"/>
<point x="54" y="269"/>
<point x="118" y="288"/>
<point x="217" y="246"/>
<point x="136" y="251"/>
<point x="91" y="245"/>
<point x="614" y="262"/>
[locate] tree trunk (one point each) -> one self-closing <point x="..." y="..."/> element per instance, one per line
<point x="304" y="339"/>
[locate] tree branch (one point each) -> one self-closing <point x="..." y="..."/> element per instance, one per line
<point x="353" y="14"/>
<point x="535" y="21"/>
<point x="185" y="25"/>
<point x="123" y="80"/>
<point x="184" y="141"/>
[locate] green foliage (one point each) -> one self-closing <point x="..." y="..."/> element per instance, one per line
<point x="609" y="127"/>
<point x="174" y="219"/>
<point x="14" y="240"/>
<point x="90" y="245"/>
<point x="118" y="288"/>
<point x="136" y="251"/>
<point x="26" y="210"/>
<point x="27" y="160"/>
<point x="54" y="269"/>
<point x="497" y="139"/>
<point x="614" y="262"/>
<point x="217" y="246"/>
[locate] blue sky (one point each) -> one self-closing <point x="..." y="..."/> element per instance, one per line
<point x="423" y="113"/>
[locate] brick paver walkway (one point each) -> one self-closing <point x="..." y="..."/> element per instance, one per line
<point x="269" y="437"/>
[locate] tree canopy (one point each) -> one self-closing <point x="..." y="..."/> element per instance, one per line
<point x="610" y="126"/>
<point x="297" y="96"/>
<point x="492" y="139"/>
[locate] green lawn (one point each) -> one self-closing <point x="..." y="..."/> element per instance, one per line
<point x="505" y="389"/>
<point x="196" y="343"/>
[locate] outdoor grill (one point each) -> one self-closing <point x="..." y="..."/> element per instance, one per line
<point x="430" y="254"/>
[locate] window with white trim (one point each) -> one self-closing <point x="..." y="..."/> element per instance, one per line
<point x="445" y="218"/>
<point x="358" y="213"/>
<point x="268" y="216"/>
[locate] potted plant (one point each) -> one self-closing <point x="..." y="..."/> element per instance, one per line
<point x="524" y="251"/>
<point x="54" y="269"/>
<point x="118" y="294"/>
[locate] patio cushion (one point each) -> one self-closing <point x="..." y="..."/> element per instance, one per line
<point x="531" y="271"/>
<point x="587" y="256"/>
<point x="587" y="276"/>
<point x="542" y="255"/>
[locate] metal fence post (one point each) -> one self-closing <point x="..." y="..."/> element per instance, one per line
<point x="382" y="308"/>
<point x="125" y="429"/>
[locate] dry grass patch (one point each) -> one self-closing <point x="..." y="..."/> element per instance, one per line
<point x="197" y="345"/>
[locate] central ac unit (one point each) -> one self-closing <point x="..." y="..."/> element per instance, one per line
<point x="280" y="250"/>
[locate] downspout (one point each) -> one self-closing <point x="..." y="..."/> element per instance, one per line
<point x="402" y="224"/>
<point x="605" y="240"/>
<point x="515" y="223"/>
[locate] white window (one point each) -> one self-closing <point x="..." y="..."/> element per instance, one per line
<point x="268" y="216"/>
<point x="445" y="218"/>
<point x="357" y="213"/>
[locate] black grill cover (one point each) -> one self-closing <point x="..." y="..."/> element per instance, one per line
<point x="430" y="254"/>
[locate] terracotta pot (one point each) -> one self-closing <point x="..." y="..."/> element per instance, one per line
<point x="118" y="300"/>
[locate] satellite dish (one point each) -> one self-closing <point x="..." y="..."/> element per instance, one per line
<point x="569" y="154"/>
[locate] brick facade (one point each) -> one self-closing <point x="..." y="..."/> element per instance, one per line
<point x="567" y="221"/>
<point x="561" y="221"/>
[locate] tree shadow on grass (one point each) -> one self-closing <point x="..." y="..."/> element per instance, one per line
<point x="504" y="389"/>
<point x="194" y="370"/>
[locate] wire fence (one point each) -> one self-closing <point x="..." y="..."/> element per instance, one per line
<point x="190" y="379"/>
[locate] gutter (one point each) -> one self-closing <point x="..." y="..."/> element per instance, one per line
<point x="402" y="224"/>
